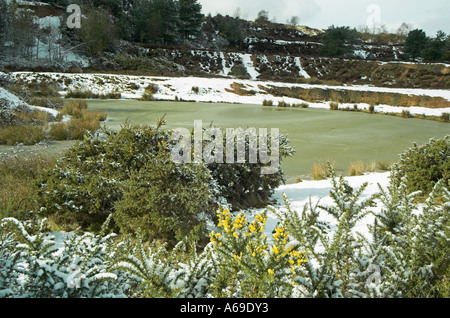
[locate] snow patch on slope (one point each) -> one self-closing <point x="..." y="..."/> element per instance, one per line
<point x="249" y="65"/>
<point x="302" y="72"/>
<point x="14" y="102"/>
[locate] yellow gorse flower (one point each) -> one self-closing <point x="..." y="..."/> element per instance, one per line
<point x="280" y="234"/>
<point x="239" y="222"/>
<point x="224" y="218"/>
<point x="249" y="235"/>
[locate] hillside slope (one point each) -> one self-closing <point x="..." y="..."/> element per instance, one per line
<point x="276" y="52"/>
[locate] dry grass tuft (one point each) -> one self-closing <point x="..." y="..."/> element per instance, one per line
<point x="17" y="175"/>
<point x="321" y="170"/>
<point x="356" y="168"/>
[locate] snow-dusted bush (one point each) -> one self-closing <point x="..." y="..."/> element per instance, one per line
<point x="239" y="262"/>
<point x="87" y="181"/>
<point x="411" y="242"/>
<point x="407" y="255"/>
<point x="167" y="201"/>
<point x="247" y="263"/>
<point x="131" y="176"/>
<point x="332" y="255"/>
<point x="425" y="165"/>
<point x="36" y="264"/>
<point x="242" y="184"/>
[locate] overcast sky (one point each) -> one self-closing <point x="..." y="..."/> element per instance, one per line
<point x="430" y="15"/>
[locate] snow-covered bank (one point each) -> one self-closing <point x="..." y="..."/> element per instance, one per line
<point x="216" y="90"/>
<point x="14" y="102"/>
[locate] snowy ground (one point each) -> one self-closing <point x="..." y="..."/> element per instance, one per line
<point x="12" y="99"/>
<point x="15" y="102"/>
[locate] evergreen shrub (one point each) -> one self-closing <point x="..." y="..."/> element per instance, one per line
<point x="128" y="174"/>
<point x="425" y="165"/>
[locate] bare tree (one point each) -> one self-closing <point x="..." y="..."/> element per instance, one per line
<point x="263" y="17"/>
<point x="237" y="13"/>
<point x="403" y="31"/>
<point x="293" y="22"/>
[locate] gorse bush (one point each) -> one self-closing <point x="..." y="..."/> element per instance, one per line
<point x="243" y="185"/>
<point x="83" y="186"/>
<point x="425" y="165"/>
<point x="247" y="263"/>
<point x="414" y="241"/>
<point x="33" y="266"/>
<point x="239" y="71"/>
<point x="404" y="254"/>
<point x="129" y="175"/>
<point x="167" y="201"/>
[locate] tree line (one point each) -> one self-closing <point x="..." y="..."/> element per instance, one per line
<point x="339" y="41"/>
<point x="173" y="22"/>
<point x="104" y="22"/>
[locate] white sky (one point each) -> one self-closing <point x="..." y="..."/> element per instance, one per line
<point x="430" y="15"/>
